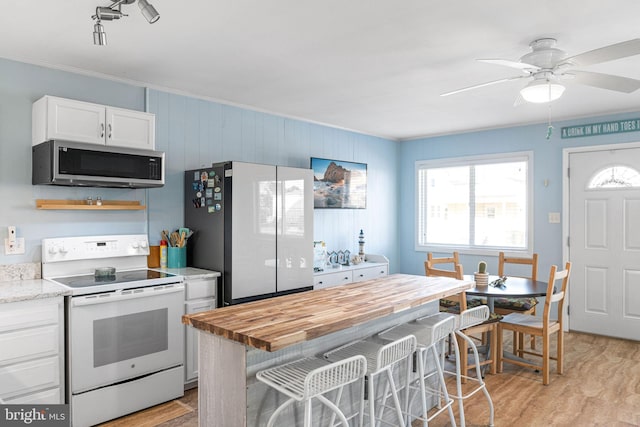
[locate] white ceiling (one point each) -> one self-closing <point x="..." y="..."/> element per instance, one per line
<point x="372" y="66"/>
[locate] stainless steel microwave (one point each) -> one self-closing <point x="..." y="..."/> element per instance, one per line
<point x="68" y="163"/>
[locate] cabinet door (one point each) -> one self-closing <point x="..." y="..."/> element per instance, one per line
<point x="370" y="273"/>
<point x="128" y="128"/>
<point x="332" y="279"/>
<point x="74" y="121"/>
<point x="191" y="338"/>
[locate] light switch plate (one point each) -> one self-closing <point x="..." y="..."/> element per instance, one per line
<point x="554" y="217"/>
<point x="14" y="248"/>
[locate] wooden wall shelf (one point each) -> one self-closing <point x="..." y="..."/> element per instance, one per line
<point x="107" y="205"/>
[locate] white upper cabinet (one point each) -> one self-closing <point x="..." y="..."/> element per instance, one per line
<point x="71" y="120"/>
<point x="127" y="128"/>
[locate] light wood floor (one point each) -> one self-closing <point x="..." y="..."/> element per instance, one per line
<point x="600" y="387"/>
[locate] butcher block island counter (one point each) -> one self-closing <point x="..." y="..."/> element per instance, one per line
<point x="239" y="340"/>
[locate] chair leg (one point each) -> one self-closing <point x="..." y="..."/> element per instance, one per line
<point x="499" y="349"/>
<point x="464" y="358"/>
<point x="515" y="340"/>
<point x="493" y="344"/>
<point x="560" y="352"/>
<point x="545" y="358"/>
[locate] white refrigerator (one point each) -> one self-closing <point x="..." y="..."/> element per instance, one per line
<point x="254" y="224"/>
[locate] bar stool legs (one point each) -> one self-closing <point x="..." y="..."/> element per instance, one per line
<point x="381" y="359"/>
<point x="468" y="318"/>
<point x="310" y="378"/>
<point x="430" y="333"/>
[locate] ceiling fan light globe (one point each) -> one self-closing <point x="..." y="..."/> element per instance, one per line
<point x="541" y="92"/>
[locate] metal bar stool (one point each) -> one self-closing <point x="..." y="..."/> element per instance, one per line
<point x="430" y="334"/>
<point x="305" y="379"/>
<point x="381" y="359"/>
<point x="466" y="319"/>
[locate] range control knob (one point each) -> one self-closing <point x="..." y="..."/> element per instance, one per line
<point x="53" y="250"/>
<point x="135" y="245"/>
<point x="143" y="244"/>
<point x="63" y="250"/>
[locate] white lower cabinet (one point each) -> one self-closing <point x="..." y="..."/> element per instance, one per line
<point x="369" y="273"/>
<point x="32" y="351"/>
<point x="200" y="288"/>
<point x="191" y="339"/>
<point x="332" y="279"/>
<point x="374" y="266"/>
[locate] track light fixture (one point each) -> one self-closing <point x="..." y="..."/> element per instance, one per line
<point x="114" y="11"/>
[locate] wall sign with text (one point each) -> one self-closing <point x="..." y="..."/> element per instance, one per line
<point x="603" y="128"/>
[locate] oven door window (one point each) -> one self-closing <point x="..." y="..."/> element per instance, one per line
<point x="126" y="337"/>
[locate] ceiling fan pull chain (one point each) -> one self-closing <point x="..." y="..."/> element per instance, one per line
<point x="549" y="128"/>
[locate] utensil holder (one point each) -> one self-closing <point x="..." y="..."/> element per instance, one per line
<point x="176" y="257"/>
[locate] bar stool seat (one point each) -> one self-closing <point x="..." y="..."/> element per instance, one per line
<point x="381" y="359"/>
<point x="310" y="378"/>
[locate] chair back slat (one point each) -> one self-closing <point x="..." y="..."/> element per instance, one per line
<point x="559" y="295"/>
<point x="456" y="273"/>
<point x="533" y="262"/>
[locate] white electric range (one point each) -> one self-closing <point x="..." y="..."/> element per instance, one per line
<point x="125" y="346"/>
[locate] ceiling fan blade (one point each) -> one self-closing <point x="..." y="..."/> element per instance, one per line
<point x="519" y="101"/>
<point x="607" y="53"/>
<point x="483" y="85"/>
<point x="605" y="81"/>
<point x="513" y="64"/>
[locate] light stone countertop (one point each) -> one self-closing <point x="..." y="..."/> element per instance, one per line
<point x="22" y="290"/>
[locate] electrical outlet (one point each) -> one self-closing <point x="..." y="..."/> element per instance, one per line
<point x="11" y="231"/>
<point x="14" y="248"/>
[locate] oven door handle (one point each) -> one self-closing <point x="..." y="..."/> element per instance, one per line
<point x="127" y="294"/>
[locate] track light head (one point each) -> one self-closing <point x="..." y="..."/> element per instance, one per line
<point x="108" y="14"/>
<point x="99" y="36"/>
<point x="148" y="11"/>
<point x="113" y="12"/>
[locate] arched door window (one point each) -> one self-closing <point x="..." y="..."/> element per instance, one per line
<point x="615" y="177"/>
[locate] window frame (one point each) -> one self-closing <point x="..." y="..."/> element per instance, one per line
<point x="484" y="159"/>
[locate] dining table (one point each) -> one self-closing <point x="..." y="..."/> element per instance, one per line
<point x="512" y="287"/>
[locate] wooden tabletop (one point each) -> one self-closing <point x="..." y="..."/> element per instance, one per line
<point x="275" y="323"/>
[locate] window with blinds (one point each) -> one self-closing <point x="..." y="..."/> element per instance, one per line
<point x="480" y="203"/>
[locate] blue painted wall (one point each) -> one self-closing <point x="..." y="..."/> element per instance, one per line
<point x="547" y="165"/>
<point x="193" y="133"/>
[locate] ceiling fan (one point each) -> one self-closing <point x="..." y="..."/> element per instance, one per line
<point x="546" y="66"/>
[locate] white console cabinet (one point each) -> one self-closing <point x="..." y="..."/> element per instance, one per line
<point x="373" y="267"/>
<point x="32" y="351"/>
<point x="71" y="120"/>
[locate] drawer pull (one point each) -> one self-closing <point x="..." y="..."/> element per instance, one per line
<point x="320" y="283"/>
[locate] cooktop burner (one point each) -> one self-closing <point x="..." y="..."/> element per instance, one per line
<point x="119" y="277"/>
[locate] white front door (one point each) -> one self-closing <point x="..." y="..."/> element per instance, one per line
<point x="604" y="232"/>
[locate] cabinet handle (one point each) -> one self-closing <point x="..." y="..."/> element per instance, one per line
<point x="319" y="283"/>
<point x="110" y="130"/>
<point x="101" y="130"/>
